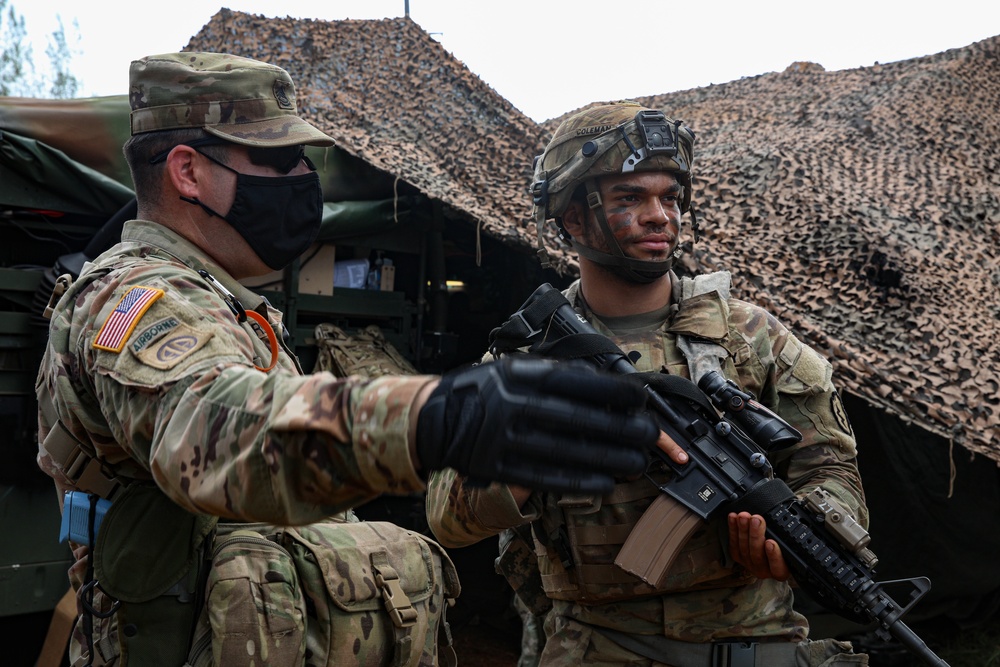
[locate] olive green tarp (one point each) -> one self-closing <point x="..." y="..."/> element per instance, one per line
<point x="35" y="176"/>
<point x="64" y="156"/>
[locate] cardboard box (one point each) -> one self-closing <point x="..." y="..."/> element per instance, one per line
<point x="388" y="277"/>
<point x="317" y="276"/>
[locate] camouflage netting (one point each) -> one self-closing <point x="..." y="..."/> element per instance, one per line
<point x="860" y="206"/>
<point x="393" y="96"/>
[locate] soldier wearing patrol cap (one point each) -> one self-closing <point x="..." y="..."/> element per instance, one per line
<point x="617" y="179"/>
<point x="169" y="402"/>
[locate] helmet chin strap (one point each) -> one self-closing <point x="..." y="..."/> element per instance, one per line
<point x="629" y="268"/>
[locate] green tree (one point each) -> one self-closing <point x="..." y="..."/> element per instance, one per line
<point x="15" y="56"/>
<point x="18" y="75"/>
<point x="63" y="85"/>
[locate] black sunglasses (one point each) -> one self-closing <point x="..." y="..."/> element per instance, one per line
<point x="283" y="159"/>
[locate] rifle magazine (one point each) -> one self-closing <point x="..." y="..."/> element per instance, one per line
<point x="657" y="539"/>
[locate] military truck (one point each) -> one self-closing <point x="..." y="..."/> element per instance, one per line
<point x="387" y="257"/>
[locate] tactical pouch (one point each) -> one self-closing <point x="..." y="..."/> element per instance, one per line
<point x="255" y="606"/>
<point x="146" y="561"/>
<point x="376" y="594"/>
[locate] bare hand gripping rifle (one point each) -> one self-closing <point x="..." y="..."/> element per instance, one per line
<point x="727" y="471"/>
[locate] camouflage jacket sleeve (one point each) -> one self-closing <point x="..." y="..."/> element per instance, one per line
<point x="182" y="402"/>
<point x="459" y="515"/>
<point x="796" y="382"/>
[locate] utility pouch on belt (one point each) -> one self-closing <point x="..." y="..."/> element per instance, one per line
<point x="253" y="599"/>
<point x="147" y="559"/>
<point x="368" y="594"/>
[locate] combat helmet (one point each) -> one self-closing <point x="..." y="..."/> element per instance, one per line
<point x="615" y="138"/>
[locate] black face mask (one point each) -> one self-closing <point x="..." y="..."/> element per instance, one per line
<point x="278" y="216"/>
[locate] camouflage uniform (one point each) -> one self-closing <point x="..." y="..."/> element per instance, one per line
<point x="166" y="393"/>
<point x="149" y="372"/>
<point x="705" y="597"/>
<point x="182" y="403"/>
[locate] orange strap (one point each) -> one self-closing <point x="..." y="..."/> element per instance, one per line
<point x="60" y="628"/>
<point x="272" y="339"/>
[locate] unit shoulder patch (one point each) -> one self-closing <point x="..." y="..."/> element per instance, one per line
<point x="154" y="332"/>
<point x="124" y="318"/>
<point x="840" y="414"/>
<point x="169" y="344"/>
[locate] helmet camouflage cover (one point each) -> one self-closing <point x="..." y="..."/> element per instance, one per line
<point x="611" y="139"/>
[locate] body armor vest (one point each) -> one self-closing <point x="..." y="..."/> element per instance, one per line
<point x="578" y="537"/>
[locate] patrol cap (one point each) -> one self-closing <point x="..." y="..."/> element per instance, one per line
<point x="237" y="99"/>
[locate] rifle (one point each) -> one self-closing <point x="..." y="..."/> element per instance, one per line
<point x="727" y="471"/>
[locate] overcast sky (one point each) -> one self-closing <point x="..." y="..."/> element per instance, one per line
<point x="548" y="57"/>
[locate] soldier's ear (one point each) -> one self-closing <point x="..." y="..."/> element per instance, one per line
<point x="185" y="171"/>
<point x="573" y="219"/>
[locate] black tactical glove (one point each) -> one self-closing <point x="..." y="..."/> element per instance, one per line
<point x="557" y="426"/>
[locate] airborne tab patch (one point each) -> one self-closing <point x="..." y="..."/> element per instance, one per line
<point x="153" y="332"/>
<point x="122" y="320"/>
<point x="170" y="349"/>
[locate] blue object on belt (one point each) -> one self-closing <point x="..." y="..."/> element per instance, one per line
<point x="76" y="516"/>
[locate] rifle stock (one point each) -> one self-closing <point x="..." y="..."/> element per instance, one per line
<point x="727" y="471"/>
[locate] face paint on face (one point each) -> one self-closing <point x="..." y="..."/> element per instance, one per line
<point x="643" y="214"/>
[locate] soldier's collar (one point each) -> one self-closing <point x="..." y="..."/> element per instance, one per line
<point x="147" y="232"/>
<point x="702" y="316"/>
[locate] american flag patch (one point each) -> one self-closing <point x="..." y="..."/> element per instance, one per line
<point x="119" y="325"/>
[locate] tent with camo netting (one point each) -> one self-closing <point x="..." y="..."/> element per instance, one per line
<point x="861" y="207"/>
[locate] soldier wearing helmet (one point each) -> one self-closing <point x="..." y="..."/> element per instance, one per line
<point x="173" y="414"/>
<point x="613" y="142"/>
<point x="617" y="178"/>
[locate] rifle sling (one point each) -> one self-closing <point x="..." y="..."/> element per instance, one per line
<point x="526" y="323"/>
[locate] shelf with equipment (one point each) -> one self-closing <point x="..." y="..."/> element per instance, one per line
<point x="307" y="295"/>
